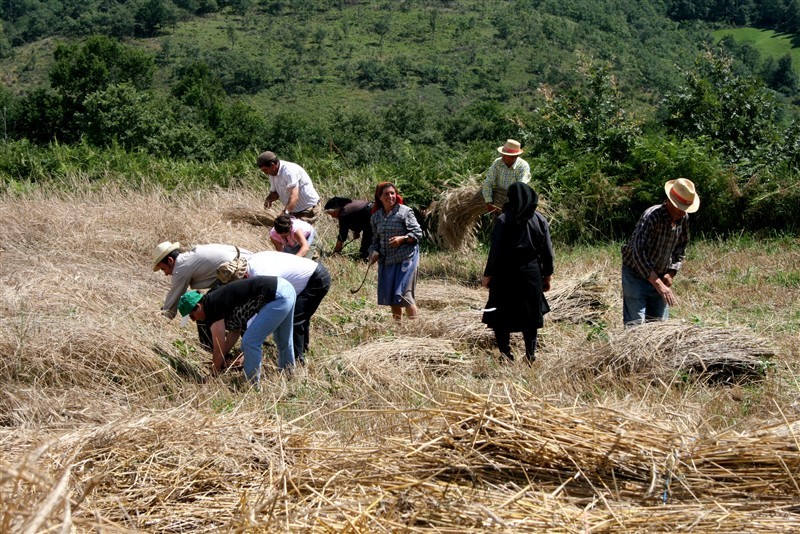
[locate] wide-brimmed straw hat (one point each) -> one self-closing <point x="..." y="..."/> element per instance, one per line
<point x="682" y="195"/>
<point x="511" y="148"/>
<point x="161" y="250"/>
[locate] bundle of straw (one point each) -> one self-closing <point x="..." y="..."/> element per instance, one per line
<point x="465" y="327"/>
<point x="388" y="362"/>
<point x="434" y="295"/>
<point x="452" y="219"/>
<point x="256" y="217"/>
<point x="660" y="348"/>
<point x="576" y="300"/>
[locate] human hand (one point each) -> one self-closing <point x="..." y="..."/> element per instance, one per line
<point x="491" y="208"/>
<point x="666" y="293"/>
<point x="667" y="279"/>
<point x="397" y="240"/>
<point x="373" y="257"/>
<point x="267" y="204"/>
<point x="485" y="281"/>
<point x="546" y="283"/>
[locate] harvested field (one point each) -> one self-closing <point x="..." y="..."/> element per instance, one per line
<point x="109" y="420"/>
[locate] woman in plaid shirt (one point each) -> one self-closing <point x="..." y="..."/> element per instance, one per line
<point x="395" y="242"/>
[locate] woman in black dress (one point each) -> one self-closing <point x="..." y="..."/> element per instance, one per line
<point x="518" y="271"/>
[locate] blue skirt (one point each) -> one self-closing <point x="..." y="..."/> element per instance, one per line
<point x="396" y="282"/>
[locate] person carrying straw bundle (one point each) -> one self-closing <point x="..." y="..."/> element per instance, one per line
<point x="509" y="168"/>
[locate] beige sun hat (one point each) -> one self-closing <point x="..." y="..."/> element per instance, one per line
<point x="682" y="195"/>
<point x="161" y="250"/>
<point x="511" y="148"/>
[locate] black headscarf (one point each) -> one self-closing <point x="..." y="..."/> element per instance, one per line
<point x="522" y="202"/>
<point x="336" y="203"/>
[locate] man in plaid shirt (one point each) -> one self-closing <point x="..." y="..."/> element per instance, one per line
<point x="504" y="171"/>
<point x="654" y="255"/>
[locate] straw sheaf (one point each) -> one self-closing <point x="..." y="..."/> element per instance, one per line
<point x="513" y="458"/>
<point x="249" y="215"/>
<point x="435" y="295"/>
<point x="453" y="217"/>
<point x="661" y="348"/>
<point x="465" y="327"/>
<point x="393" y="361"/>
<point x="577" y="300"/>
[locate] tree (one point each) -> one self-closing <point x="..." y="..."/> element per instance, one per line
<point x="151" y="16"/>
<point x="735" y="112"/>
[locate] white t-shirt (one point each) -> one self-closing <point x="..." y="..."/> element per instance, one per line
<point x="294" y="269"/>
<point x="293" y="175"/>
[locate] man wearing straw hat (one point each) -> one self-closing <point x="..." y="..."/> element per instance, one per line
<point x="195" y="268"/>
<point x="503" y="172"/>
<point x="655" y="253"/>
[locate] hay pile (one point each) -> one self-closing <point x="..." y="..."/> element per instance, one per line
<point x="393" y="361"/>
<point x="436" y="295"/>
<point x="465" y="327"/>
<point x="452" y="219"/>
<point x="659" y="349"/>
<point x="513" y="461"/>
<point x="249" y="215"/>
<point x="577" y="300"/>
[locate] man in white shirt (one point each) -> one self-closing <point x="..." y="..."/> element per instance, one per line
<point x="311" y="282"/>
<point x="195" y="268"/>
<point x="290" y="183"/>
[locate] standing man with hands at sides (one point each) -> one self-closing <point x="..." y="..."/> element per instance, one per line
<point x="504" y="171"/>
<point x="290" y="183"/>
<point x="655" y="253"/>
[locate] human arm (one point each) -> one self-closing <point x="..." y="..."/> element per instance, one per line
<point x="525" y="171"/>
<point x="301" y="238"/>
<point x="546" y="256"/>
<point x="294" y="195"/>
<point x="374" y="248"/>
<point x="178" y="286"/>
<point x="271" y="197"/>
<point x="223" y="342"/>
<point x="488" y="184"/>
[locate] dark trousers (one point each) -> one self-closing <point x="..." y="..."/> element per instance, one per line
<point x="304" y="307"/>
<point x="503" y="338"/>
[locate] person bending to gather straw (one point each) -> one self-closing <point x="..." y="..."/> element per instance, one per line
<point x="395" y="244"/>
<point x="518" y="271"/>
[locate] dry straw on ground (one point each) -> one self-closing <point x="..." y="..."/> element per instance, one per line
<point x="577" y="300"/>
<point x="392" y="362"/>
<point x="106" y="423"/>
<point x="660" y="349"/>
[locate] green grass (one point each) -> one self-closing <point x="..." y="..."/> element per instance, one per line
<point x="769" y="43"/>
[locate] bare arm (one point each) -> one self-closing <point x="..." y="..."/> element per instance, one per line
<point x="294" y="195"/>
<point x="304" y="246"/>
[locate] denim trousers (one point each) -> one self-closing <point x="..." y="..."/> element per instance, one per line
<point x="640" y="300"/>
<point x="274" y="318"/>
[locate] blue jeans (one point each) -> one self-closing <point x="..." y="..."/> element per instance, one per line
<point x="640" y="300"/>
<point x="274" y="318"/>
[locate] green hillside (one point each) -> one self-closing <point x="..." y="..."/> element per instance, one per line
<point x="769" y="43"/>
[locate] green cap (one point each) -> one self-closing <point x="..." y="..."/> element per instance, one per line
<point x="188" y="301"/>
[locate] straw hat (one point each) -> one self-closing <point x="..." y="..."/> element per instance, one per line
<point x="161" y="251"/>
<point x="682" y="195"/>
<point x="511" y="148"/>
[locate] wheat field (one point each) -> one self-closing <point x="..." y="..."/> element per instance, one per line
<point x="109" y="421"/>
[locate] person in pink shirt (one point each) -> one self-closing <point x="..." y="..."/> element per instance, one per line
<point x="293" y="236"/>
